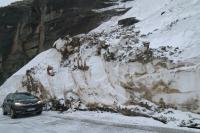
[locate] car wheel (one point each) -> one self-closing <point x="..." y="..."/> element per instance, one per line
<point x="4" y="112"/>
<point x="12" y="114"/>
<point x="39" y="113"/>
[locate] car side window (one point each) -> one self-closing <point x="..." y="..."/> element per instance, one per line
<point x="11" y="97"/>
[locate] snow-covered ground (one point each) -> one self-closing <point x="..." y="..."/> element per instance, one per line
<point x="113" y="67"/>
<point x="79" y="122"/>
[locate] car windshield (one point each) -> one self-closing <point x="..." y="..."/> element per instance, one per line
<point x="24" y="96"/>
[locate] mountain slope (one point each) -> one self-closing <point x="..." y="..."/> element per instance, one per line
<point x="136" y="68"/>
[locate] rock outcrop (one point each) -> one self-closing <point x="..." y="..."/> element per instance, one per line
<point x="128" y="21"/>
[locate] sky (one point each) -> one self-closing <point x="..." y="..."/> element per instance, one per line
<point x="6" y="2"/>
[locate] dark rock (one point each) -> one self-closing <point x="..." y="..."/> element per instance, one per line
<point x="125" y="0"/>
<point x="50" y="71"/>
<point x="128" y="21"/>
<point x="109" y="56"/>
<point x="162" y="13"/>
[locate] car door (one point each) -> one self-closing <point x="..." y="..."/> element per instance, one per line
<point x="5" y="102"/>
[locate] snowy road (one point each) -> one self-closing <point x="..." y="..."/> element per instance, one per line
<point x="52" y="122"/>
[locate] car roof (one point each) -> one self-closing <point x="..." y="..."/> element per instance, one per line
<point x="22" y="93"/>
<point x="19" y="93"/>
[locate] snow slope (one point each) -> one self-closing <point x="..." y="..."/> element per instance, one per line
<point x="178" y="26"/>
<point x="171" y="23"/>
<point x="166" y="23"/>
<point x="112" y="67"/>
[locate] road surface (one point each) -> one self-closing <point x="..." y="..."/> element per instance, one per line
<point x="50" y="122"/>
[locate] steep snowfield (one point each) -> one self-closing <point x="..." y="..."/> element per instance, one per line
<point x="166" y="23"/>
<point x="178" y="26"/>
<point x="169" y="23"/>
<point x="112" y="66"/>
<point x="175" y="23"/>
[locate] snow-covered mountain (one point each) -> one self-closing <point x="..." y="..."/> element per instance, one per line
<point x="125" y="65"/>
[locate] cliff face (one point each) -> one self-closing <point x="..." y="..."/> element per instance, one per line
<point x="31" y="26"/>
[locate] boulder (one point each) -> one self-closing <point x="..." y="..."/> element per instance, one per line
<point x="128" y="21"/>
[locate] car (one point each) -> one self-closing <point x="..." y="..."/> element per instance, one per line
<point x="21" y="103"/>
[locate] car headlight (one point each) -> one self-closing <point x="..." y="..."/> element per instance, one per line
<point x="39" y="102"/>
<point x="18" y="104"/>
